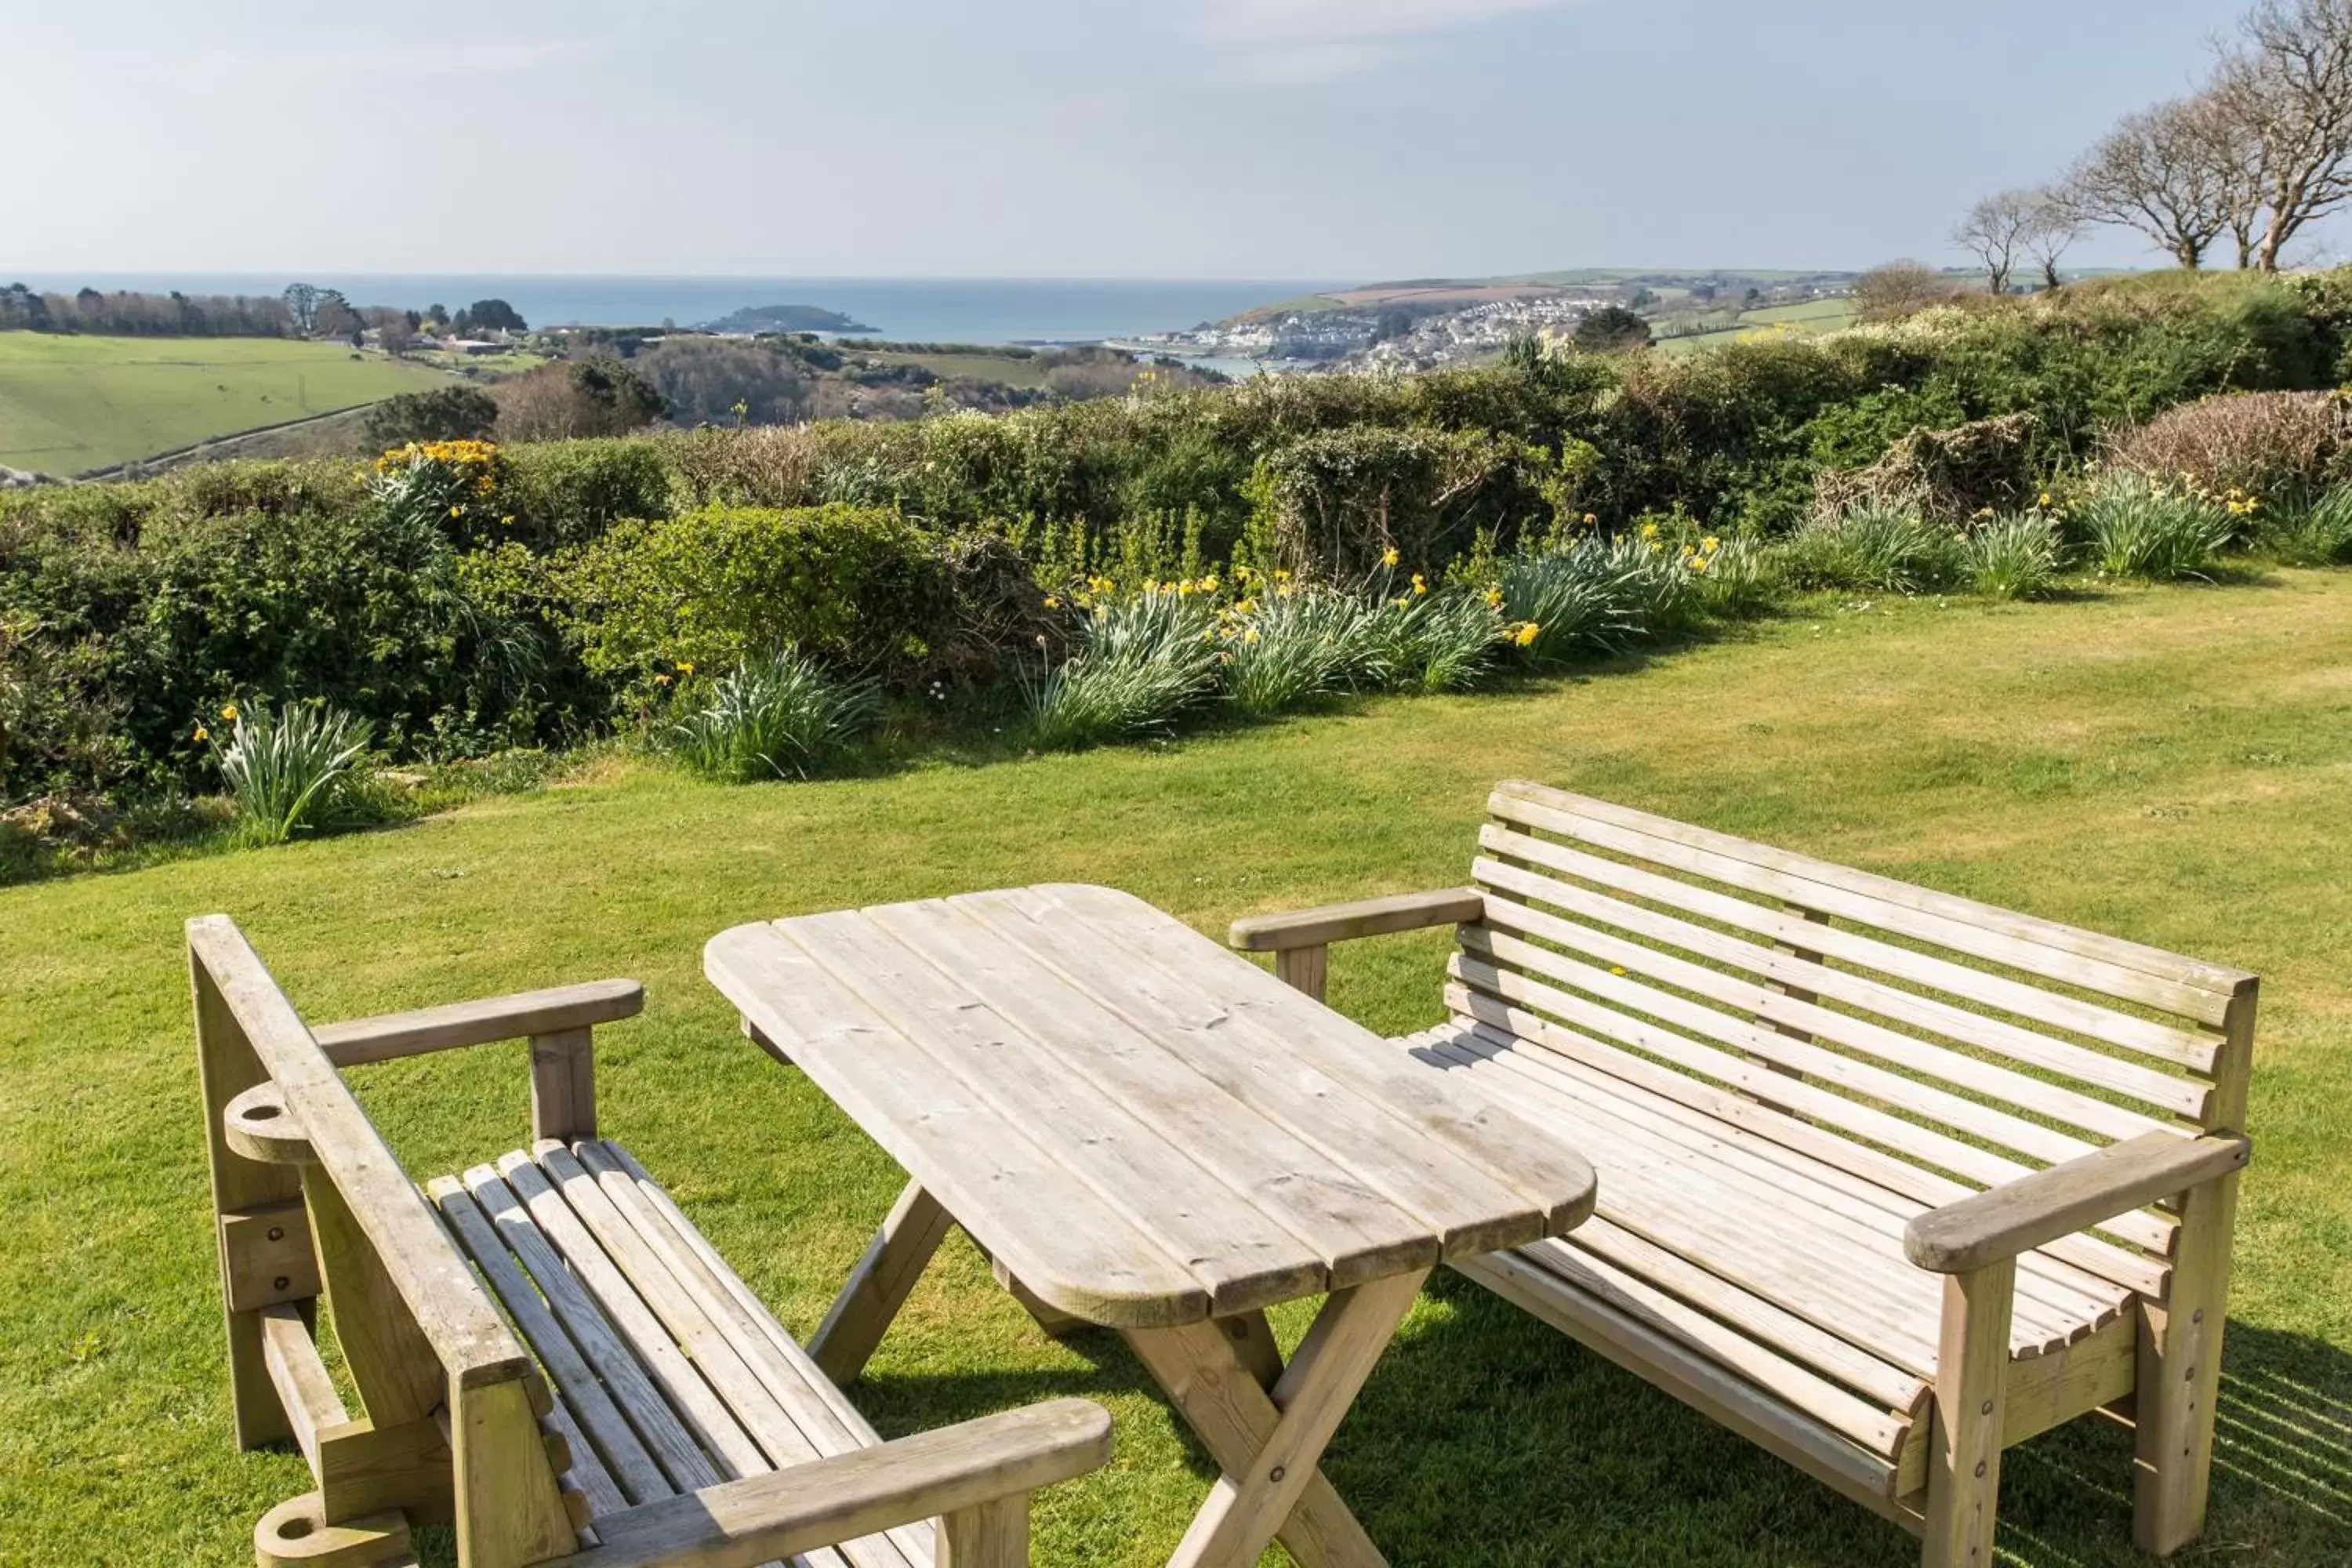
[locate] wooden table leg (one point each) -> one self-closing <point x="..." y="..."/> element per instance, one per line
<point x="879" y="1285"/>
<point x="1267" y="1441"/>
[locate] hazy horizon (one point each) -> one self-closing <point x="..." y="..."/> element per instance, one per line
<point x="1196" y="141"/>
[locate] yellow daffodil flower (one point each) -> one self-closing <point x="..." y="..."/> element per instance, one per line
<point x="1389" y="556"/>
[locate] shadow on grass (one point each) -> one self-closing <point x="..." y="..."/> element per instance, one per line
<point x="1485" y="1438"/>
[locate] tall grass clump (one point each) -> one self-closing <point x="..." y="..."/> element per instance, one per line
<point x="1295" y="646"/>
<point x="1597" y="594"/>
<point x="1140" y="663"/>
<point x="1421" y="640"/>
<point x="1871" y="547"/>
<point x="2012" y="557"/>
<point x="777" y="716"/>
<point x="2318" y="533"/>
<point x="292" y="769"/>
<point x="2135" y="526"/>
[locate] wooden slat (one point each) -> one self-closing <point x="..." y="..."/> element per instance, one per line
<point x="460" y="1024"/>
<point x="1778" y="1137"/>
<point x="1892" y="1132"/>
<point x="1779" y="965"/>
<point x="1791" y="1239"/>
<point x="1811" y="1024"/>
<point x="981" y="1027"/>
<point x="635" y="1330"/>
<point x="1061" y="1239"/>
<point x="724" y="1445"/>
<point x="1998" y="1128"/>
<point x="948" y="1470"/>
<point x="1953" y="936"/>
<point x="1355" y="1230"/>
<point x="1968" y="1234"/>
<point x="2187" y="987"/>
<point x="418" y="1258"/>
<point x="1187" y="983"/>
<point x="1879" y="1431"/>
<point x="785" y="1370"/>
<point x="606" y="1430"/>
<point x="313" y="1405"/>
<point x="1349" y="923"/>
<point x="1616" y="1108"/>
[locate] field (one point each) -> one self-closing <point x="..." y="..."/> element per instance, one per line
<point x="1806" y="318"/>
<point x="1011" y="370"/>
<point x="2172" y="765"/>
<point x="68" y="405"/>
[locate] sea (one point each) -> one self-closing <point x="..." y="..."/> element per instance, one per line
<point x="913" y="309"/>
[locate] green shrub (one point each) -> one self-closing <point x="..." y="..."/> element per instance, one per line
<point x="1289" y="648"/>
<point x="2317" y="532"/>
<point x="290" y="769"/>
<point x="777" y="716"/>
<point x="1871" y="549"/>
<point x="444" y="414"/>
<point x="715" y="587"/>
<point x="2012" y="557"/>
<point x="1141" y="663"/>
<point x="2139" y="527"/>
<point x="563" y="494"/>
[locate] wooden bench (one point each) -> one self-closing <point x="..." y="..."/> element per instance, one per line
<point x="548" y="1354"/>
<point x="1890" y="1180"/>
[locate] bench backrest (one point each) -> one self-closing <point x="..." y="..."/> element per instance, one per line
<point x="1926" y="1042"/>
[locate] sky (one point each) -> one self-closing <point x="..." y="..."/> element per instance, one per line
<point x="1247" y="139"/>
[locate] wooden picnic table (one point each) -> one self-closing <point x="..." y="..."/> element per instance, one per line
<point x="1146" y="1131"/>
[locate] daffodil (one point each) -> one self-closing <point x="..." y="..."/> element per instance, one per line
<point x="228" y="713"/>
<point x="1389" y="556"/>
<point x="1710" y="544"/>
<point x="1420" y="585"/>
<point x="1494" y="598"/>
<point x="202" y="733"/>
<point x="685" y="667"/>
<point x="1053" y="602"/>
<point x="1649" y="530"/>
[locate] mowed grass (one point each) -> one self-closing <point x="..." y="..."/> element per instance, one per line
<point x="68" y="405"/>
<point x="2171" y="765"/>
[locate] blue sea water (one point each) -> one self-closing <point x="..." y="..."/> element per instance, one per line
<point x="961" y="310"/>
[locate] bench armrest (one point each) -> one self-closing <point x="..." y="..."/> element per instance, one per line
<point x="1347" y="922"/>
<point x="2018" y="1216"/>
<point x="460" y="1024"/>
<point x="760" y="1519"/>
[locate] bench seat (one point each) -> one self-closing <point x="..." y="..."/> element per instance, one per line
<point x="669" y="1374"/>
<point x="1775" y="1280"/>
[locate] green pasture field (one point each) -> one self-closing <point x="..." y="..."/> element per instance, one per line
<point x="71" y="404"/>
<point x="2171" y="765"/>
<point x="1008" y="369"/>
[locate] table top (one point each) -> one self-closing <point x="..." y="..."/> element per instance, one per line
<point x="1145" y="1128"/>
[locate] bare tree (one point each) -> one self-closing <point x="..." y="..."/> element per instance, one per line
<point x="2284" y="102"/>
<point x="2162" y="171"/>
<point x="2054" y="224"/>
<point x="1899" y="289"/>
<point x="1995" y="230"/>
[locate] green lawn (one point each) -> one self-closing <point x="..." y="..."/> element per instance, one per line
<point x="2172" y="765"/>
<point x="68" y="405"/>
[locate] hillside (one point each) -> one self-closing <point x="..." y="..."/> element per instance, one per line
<point x="69" y="403"/>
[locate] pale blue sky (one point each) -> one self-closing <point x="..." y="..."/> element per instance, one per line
<point x="1054" y="138"/>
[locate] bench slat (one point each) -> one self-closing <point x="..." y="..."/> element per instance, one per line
<point x="2171" y="1092"/>
<point x="1507" y="1013"/>
<point x="2187" y="987"/>
<point x="2068" y="1106"/>
<point x="1948" y="931"/>
<point x="1854" y="1247"/>
<point x="2197" y="1052"/>
<point x="785" y="1370"/>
